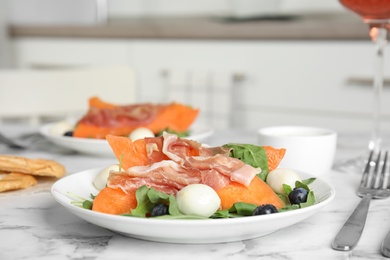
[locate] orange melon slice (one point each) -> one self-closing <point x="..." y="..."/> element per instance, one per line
<point x="135" y="153"/>
<point x="98" y="103"/>
<point x="258" y="193"/>
<point x="114" y="201"/>
<point x="177" y="117"/>
<point x="274" y="155"/>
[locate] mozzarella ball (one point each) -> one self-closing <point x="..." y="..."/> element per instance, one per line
<point x="280" y="176"/>
<point x="60" y="128"/>
<point x="141" y="133"/>
<point x="100" y="180"/>
<point x="198" y="199"/>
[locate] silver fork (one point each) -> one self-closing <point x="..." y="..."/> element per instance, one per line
<point x="20" y="142"/>
<point x="385" y="246"/>
<point x="374" y="185"/>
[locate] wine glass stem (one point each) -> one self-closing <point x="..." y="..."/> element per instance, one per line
<point x="379" y="37"/>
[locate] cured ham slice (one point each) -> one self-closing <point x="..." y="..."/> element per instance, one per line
<point x="213" y="159"/>
<point x="169" y="176"/>
<point x="166" y="176"/>
<point x="232" y="168"/>
<point x="178" y="149"/>
<point x="104" y="118"/>
<point x="121" y="115"/>
<point x="214" y="179"/>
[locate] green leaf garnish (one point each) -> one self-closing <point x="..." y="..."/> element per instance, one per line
<point x="144" y="205"/>
<point x="147" y="198"/>
<point x="81" y="202"/>
<point x="87" y="204"/>
<point x="287" y="188"/>
<point x="179" y="134"/>
<point x="308" y="181"/>
<point x="241" y="208"/>
<point x="253" y="155"/>
<point x="298" y="184"/>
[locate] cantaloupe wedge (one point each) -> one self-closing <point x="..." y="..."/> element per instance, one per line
<point x="114" y="201"/>
<point x="258" y="193"/>
<point x="274" y="155"/>
<point x="135" y="153"/>
<point x="96" y="102"/>
<point x="177" y="117"/>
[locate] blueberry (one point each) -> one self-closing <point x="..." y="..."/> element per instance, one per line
<point x="159" y="210"/>
<point x="68" y="133"/>
<point x="298" y="196"/>
<point x="265" y="209"/>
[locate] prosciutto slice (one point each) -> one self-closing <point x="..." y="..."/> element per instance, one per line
<point x="129" y="115"/>
<point x="166" y="176"/>
<point x="178" y="149"/>
<point x="232" y="168"/>
<point x="187" y="162"/>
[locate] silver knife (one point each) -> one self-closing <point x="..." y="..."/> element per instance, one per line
<point x="350" y="233"/>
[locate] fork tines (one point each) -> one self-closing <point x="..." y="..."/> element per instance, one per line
<point x="376" y="172"/>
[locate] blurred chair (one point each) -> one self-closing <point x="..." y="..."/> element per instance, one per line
<point x="37" y="95"/>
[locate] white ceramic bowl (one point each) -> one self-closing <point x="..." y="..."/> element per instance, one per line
<point x="308" y="149"/>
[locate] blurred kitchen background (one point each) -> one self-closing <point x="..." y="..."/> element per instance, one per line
<point x="245" y="63"/>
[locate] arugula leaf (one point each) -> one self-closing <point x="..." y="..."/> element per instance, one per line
<point x="147" y="198"/>
<point x="287" y="188"/>
<point x="144" y="205"/>
<point x="173" y="208"/>
<point x="87" y="204"/>
<point x="179" y="134"/>
<point x="82" y="202"/>
<point x="299" y="184"/>
<point x="221" y="214"/>
<point x="239" y="209"/>
<point x="289" y="207"/>
<point x="308" y="181"/>
<point x="284" y="198"/>
<point x="156" y="196"/>
<point x="311" y="200"/>
<point x="243" y="209"/>
<point x="253" y="155"/>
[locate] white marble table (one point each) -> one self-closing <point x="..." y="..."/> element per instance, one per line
<point x="35" y="226"/>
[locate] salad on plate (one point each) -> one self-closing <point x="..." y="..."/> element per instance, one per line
<point x="134" y="120"/>
<point x="169" y="177"/>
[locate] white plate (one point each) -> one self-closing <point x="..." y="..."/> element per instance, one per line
<point x="101" y="147"/>
<point x="185" y="231"/>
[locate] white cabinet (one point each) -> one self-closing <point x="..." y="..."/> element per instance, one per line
<point x="273" y="82"/>
<point x="60" y="52"/>
<point x="285" y="82"/>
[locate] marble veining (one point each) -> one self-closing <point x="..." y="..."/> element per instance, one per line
<point x="35" y="226"/>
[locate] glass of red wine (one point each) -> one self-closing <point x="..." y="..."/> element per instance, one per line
<point x="376" y="14"/>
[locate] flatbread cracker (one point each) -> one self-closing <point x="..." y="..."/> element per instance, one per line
<point x="16" y="181"/>
<point x="38" y="167"/>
